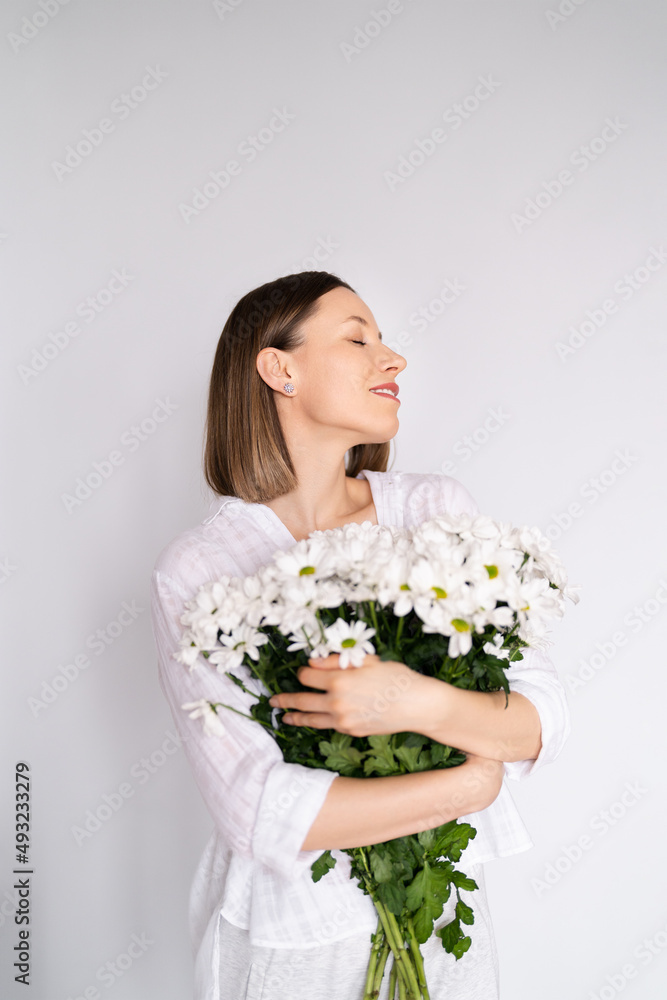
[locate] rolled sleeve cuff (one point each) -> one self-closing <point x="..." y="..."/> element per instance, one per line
<point x="292" y="797"/>
<point x="548" y="697"/>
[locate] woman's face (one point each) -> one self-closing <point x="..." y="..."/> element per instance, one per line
<point x="336" y="369"/>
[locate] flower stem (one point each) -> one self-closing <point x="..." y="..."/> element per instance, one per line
<point x="411" y="979"/>
<point x="418" y="960"/>
<point x="392" y="981"/>
<point x="371" y="608"/>
<point x="245" y="715"/>
<point x="395" y="938"/>
<point x="379" y="972"/>
<point x="378" y="940"/>
<point x="401" y="990"/>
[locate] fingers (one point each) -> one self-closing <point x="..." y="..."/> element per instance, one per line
<point x="314" y="720"/>
<point x="300" y="701"/>
<point x="330" y="662"/>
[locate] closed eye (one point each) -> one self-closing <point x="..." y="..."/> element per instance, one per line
<point x="358" y="341"/>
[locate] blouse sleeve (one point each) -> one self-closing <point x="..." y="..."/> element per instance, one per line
<point x="536" y="678"/>
<point x="263" y="806"/>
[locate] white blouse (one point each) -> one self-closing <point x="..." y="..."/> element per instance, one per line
<point x="253" y="871"/>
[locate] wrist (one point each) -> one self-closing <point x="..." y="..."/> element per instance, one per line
<point x="432" y="708"/>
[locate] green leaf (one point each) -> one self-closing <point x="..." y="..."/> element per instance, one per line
<point x="413" y="740"/>
<point x="389" y="654"/>
<point x="426" y="896"/>
<point x="462" y="881"/>
<point x="392" y="895"/>
<point x="408" y="756"/>
<point x="322" y="865"/>
<point x="439" y="753"/>
<point x="452" y="838"/>
<point x="450" y="935"/>
<point x="461" y="947"/>
<point x="427" y="839"/>
<point x="340" y="754"/>
<point x="383" y="869"/>
<point x="380" y="759"/>
<point x="415" y="891"/>
<point x="464" y="912"/>
<point x="423" y="925"/>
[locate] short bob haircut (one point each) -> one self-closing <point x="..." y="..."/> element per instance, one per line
<point x="245" y="452"/>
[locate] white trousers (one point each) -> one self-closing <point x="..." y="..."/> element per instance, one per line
<point x="337" y="971"/>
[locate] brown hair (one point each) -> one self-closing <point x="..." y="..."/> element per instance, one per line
<point x="245" y="452"/>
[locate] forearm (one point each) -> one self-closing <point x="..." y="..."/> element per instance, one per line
<point x="359" y="812"/>
<point x="478" y="722"/>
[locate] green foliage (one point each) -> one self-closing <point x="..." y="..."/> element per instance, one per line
<point x="340" y="755"/>
<point x="322" y="865"/>
<point x="409" y="878"/>
<point x="380" y="759"/>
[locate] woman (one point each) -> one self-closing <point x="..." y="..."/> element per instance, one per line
<point x="297" y="385"/>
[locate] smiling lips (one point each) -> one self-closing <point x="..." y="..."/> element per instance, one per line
<point x="388" y="389"/>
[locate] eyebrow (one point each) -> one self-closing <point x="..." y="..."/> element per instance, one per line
<point x="359" y="319"/>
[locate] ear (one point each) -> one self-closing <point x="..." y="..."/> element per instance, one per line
<point x="272" y="367"/>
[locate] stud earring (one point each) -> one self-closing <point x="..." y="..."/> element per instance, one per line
<point x="288" y="387"/>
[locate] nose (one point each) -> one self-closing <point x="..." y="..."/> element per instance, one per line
<point x="396" y="361"/>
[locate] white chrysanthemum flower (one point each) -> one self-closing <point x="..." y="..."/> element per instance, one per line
<point x="494" y="648"/>
<point x="188" y="653"/>
<point x="204" y="709"/>
<point x="460" y="640"/>
<point x="538" y="604"/>
<point x="309" y="637"/>
<point x="458" y="574"/>
<point x="312" y="556"/>
<point x="350" y="639"/>
<point x="243" y="640"/>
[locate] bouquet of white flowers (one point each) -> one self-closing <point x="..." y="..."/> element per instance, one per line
<point x="456" y="598"/>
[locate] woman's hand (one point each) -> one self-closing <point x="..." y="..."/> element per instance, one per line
<point x="381" y="696"/>
<point x="385" y="696"/>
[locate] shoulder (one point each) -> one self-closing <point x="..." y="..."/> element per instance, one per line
<point x="429" y="494"/>
<point x="206" y="552"/>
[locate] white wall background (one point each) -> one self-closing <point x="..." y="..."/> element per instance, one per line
<point x="579" y="915"/>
